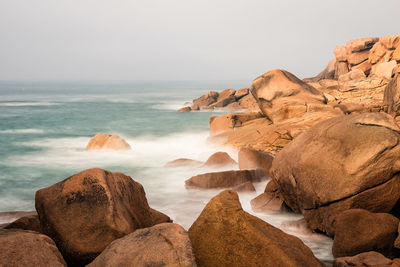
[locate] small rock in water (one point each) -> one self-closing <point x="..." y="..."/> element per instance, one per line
<point x="103" y="141"/>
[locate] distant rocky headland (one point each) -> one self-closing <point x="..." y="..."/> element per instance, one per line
<point x="327" y="147"/>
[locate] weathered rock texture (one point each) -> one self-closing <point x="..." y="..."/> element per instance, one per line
<point x="228" y="122"/>
<point x="225" y="235"/>
<point x="225" y="179"/>
<point x="84" y="213"/>
<point x="164" y="244"/>
<point x="341" y="163"/>
<point x="358" y="231"/>
<point x="26" y="248"/>
<point x="103" y="141"/>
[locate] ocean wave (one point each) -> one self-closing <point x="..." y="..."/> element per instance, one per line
<point x="26" y="104"/>
<point x="21" y="131"/>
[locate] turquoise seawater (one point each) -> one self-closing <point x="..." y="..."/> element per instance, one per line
<point x="45" y="127"/>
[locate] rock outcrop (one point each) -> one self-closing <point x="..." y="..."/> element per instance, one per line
<point x="281" y="95"/>
<point x="26" y="248"/>
<point x="103" y="141"/>
<point x="341" y="163"/>
<point x="165" y="244"/>
<point x="225" y="179"/>
<point x="84" y="213"/>
<point x="225" y="235"/>
<point x="358" y="231"/>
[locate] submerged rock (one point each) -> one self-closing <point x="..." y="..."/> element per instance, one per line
<point x="342" y="163"/>
<point x="87" y="211"/>
<point x="164" y="244"/>
<point x="358" y="231"/>
<point x="220" y="159"/>
<point x="103" y="141"/>
<point x="225" y="179"/>
<point x="225" y="235"/>
<point x="26" y="248"/>
<point x="182" y="162"/>
<point x="185" y="109"/>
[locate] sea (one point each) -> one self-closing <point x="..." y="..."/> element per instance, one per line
<point x="45" y="127"/>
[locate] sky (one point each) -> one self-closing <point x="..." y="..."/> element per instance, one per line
<point x="181" y="39"/>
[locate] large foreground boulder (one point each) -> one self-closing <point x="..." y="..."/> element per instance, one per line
<point x="358" y="231"/>
<point x="164" y="244"/>
<point x="102" y="141"/>
<point x="225" y="179"/>
<point x="20" y="248"/>
<point x="225" y="235"/>
<point x="281" y="95"/>
<point x="84" y="213"/>
<point x="342" y="163"/>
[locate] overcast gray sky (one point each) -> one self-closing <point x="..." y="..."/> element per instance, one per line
<point x="180" y="39"/>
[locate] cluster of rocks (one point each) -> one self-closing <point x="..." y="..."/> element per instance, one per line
<point x="335" y="141"/>
<point x="228" y="99"/>
<point x="102" y="218"/>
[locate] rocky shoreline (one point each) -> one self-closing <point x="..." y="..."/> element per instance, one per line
<point x="327" y="148"/>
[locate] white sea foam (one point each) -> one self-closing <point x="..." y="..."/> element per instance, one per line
<point x="26" y="104"/>
<point x="21" y="131"/>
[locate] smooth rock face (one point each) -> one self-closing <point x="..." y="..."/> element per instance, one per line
<point x="30" y="222"/>
<point x="358" y="231"/>
<point x="26" y="248"/>
<point x="227" y="122"/>
<point x="84" y="213"/>
<point x="384" y="69"/>
<point x="220" y="159"/>
<point x="281" y="95"/>
<point x="225" y="179"/>
<point x="367" y="259"/>
<point x="225" y="235"/>
<point x="250" y="159"/>
<point x="103" y="141"/>
<point x="341" y="163"/>
<point x="164" y="244"/>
